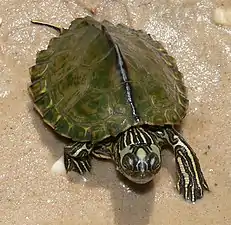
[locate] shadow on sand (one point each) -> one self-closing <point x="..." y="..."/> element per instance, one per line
<point x="133" y="204"/>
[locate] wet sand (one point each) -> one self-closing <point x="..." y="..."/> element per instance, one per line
<point x="31" y="194"/>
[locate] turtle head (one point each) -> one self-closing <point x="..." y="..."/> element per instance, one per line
<point x="139" y="162"/>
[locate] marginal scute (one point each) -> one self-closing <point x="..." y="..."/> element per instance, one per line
<point x="113" y="128"/>
<point x="160" y="48"/>
<point x="181" y="88"/>
<point x="76" y="83"/>
<point x="158" y="120"/>
<point x="183" y="101"/>
<point x="177" y="74"/>
<point x="98" y="132"/>
<point x="38" y="89"/>
<point x="43" y="56"/>
<point x="174" y="116"/>
<point x="37" y="71"/>
<point x="77" y="132"/>
<point x="171" y="61"/>
<point x="79" y="23"/>
<point x="62" y="126"/>
<point x="52" y="116"/>
<point x="44" y="103"/>
<point x="53" y="42"/>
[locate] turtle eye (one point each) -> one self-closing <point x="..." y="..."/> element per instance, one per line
<point x="129" y="162"/>
<point x="153" y="161"/>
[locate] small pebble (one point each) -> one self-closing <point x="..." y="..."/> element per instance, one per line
<point x="58" y="167"/>
<point x="222" y="16"/>
<point x="0" y="21"/>
<point x="93" y="11"/>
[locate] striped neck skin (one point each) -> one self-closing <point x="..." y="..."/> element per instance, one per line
<point x="137" y="155"/>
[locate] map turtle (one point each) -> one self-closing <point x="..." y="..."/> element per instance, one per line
<point x="116" y="94"/>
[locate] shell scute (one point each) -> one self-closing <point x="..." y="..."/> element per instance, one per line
<point x="78" y="89"/>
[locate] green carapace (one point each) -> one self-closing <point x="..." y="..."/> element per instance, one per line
<point x="116" y="94"/>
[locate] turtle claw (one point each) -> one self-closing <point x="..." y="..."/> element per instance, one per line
<point x="189" y="187"/>
<point x="191" y="181"/>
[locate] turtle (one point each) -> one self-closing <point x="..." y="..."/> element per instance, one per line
<point x="115" y="93"/>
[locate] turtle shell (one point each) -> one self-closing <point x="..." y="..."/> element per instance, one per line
<point x="97" y="79"/>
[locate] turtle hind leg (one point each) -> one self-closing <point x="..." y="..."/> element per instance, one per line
<point x="56" y="27"/>
<point x="77" y="157"/>
<point x="191" y="181"/>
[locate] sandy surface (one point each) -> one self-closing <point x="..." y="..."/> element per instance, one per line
<point x="30" y="194"/>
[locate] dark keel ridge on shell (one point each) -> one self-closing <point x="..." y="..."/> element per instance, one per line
<point x="96" y="79"/>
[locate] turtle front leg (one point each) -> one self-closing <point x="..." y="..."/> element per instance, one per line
<point x="77" y="157"/>
<point x="191" y="181"/>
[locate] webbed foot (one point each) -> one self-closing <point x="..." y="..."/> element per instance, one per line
<point x="77" y="157"/>
<point x="191" y="181"/>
